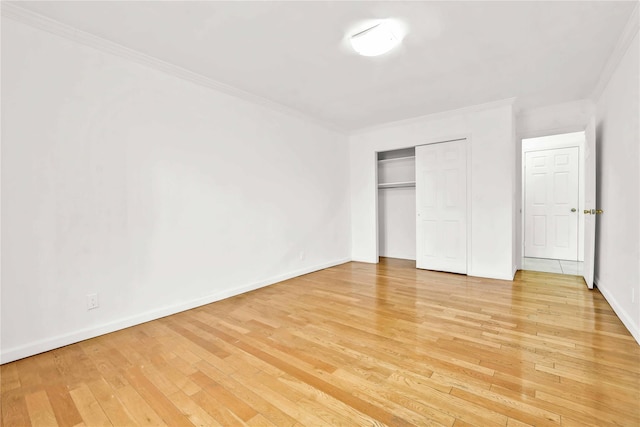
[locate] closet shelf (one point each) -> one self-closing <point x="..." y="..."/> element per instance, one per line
<point x="397" y="159"/>
<point x="397" y="184"/>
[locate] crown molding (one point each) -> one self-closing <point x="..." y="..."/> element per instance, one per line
<point x="25" y="16"/>
<point x="619" y="51"/>
<point x="439" y="115"/>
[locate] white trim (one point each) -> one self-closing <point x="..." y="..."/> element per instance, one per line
<point x="624" y="317"/>
<point x="366" y="260"/>
<point x="619" y="51"/>
<point x="47" y="344"/>
<point x="508" y="278"/>
<point x="17" y="13"/>
<point x="436" y="116"/>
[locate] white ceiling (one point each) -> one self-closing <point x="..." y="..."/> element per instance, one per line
<point x="455" y="54"/>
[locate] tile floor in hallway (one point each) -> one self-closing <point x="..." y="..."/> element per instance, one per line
<point x="559" y="266"/>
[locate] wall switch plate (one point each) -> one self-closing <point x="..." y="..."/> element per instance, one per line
<point x="92" y="301"/>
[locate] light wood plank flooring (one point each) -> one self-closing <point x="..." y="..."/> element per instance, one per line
<point x="357" y="344"/>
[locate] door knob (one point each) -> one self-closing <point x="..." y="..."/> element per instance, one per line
<point x="573" y="209"/>
<point x="599" y="211"/>
<point x="587" y="211"/>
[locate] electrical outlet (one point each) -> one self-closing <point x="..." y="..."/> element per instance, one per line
<point x="92" y="301"/>
<point x="301" y="255"/>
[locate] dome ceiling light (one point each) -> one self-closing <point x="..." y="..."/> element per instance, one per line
<point x="375" y="40"/>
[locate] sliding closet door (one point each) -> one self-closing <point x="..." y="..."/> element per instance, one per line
<point x="441" y="206"/>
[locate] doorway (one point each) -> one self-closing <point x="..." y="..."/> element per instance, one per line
<point x="553" y="202"/>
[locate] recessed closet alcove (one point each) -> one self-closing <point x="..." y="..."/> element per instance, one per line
<point x="397" y="203"/>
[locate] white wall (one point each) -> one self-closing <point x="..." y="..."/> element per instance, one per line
<point x="154" y="192"/>
<point x="617" y="270"/>
<point x="554" y="119"/>
<point x="492" y="150"/>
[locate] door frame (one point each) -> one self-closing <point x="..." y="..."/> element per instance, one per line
<point x="542" y="143"/>
<point x="427" y="141"/>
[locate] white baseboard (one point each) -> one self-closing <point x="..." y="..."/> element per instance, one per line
<point x="485" y="275"/>
<point x="366" y="260"/>
<point x="408" y="257"/>
<point x="627" y="321"/>
<point x="47" y="344"/>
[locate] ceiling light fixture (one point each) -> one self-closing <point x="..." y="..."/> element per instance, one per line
<point x="375" y="40"/>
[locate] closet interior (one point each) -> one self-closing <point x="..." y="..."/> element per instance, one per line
<point x="397" y="203"/>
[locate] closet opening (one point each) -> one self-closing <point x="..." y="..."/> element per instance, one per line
<point x="423" y="204"/>
<point x="397" y="203"/>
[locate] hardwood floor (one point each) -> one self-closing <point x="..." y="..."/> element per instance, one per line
<point x="356" y="344"/>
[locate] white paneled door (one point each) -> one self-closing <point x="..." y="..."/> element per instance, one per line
<point x="551" y="203"/>
<point x="589" y="202"/>
<point x="441" y="206"/>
